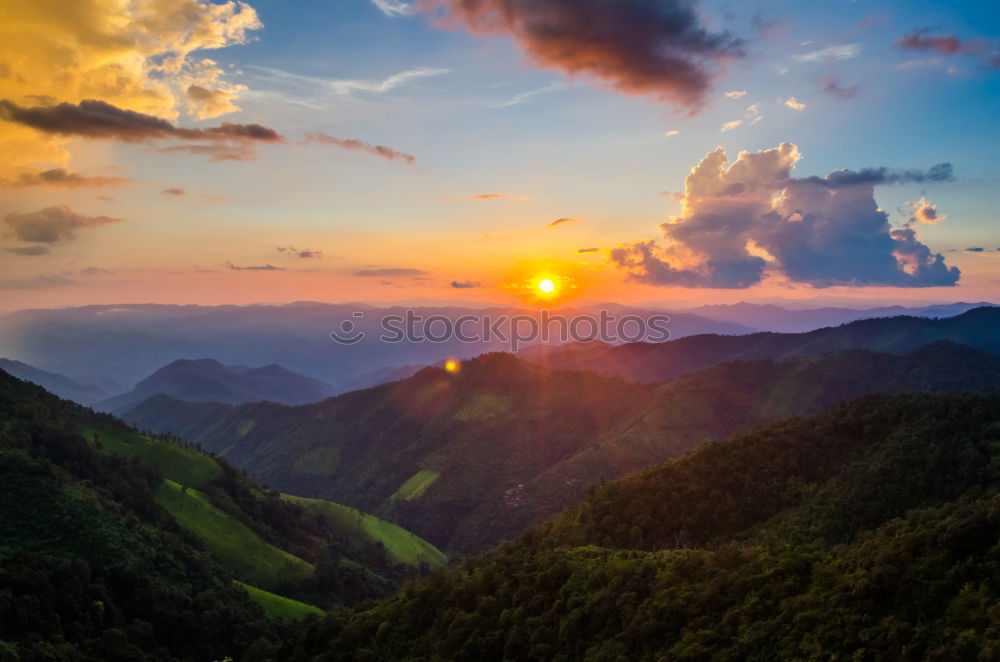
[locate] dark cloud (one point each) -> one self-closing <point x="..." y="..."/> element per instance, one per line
<point x="832" y="86"/>
<point x="262" y="267"/>
<point x="650" y="47"/>
<point x="465" y="284"/>
<point x="976" y="249"/>
<point x="61" y="178"/>
<point x="303" y="253"/>
<point x="942" y="172"/>
<point x="98" y="119"/>
<point x="173" y="191"/>
<point x="53" y="224"/>
<point x="950" y="45"/>
<point x="588" y="250"/>
<point x="39" y="282"/>
<point x="358" y="145"/>
<point x="561" y="221"/>
<point x="30" y="251"/>
<point x="750" y="217"/>
<point x="95" y="271"/>
<point x="389" y="273"/>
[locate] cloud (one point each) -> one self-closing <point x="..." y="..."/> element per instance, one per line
<point x="925" y="212"/>
<point x="382" y="151"/>
<point x="135" y="55"/>
<point x="729" y="126"/>
<point x="61" y="178"/>
<point x="831" y="85"/>
<point x="302" y="253"/>
<point x="976" y="249"/>
<point x="792" y="103"/>
<point x="30" y="251"/>
<point x="841" y="52"/>
<point x="262" y="267"/>
<point x="173" y="191"/>
<point x="39" y="282"/>
<point x="389" y="273"/>
<point x="204" y="103"/>
<point x="518" y="99"/>
<point x="671" y="133"/>
<point x="588" y="250"/>
<point x="650" y="47"/>
<point x="101" y="120"/>
<point x="393" y="8"/>
<point x="736" y="94"/>
<point x="742" y="220"/>
<point x="561" y="221"/>
<point x="95" y="271"/>
<point x="949" y="46"/>
<point x="465" y="284"/>
<point x="53" y="224"/>
<point x="942" y="172"/>
<point x="350" y="86"/>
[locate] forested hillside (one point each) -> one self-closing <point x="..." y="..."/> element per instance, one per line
<point x="869" y="532"/>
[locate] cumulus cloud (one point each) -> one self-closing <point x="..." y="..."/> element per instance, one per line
<point x="39" y="282"/>
<point x="950" y="45"/>
<point x="793" y="103"/>
<point x="744" y="219"/>
<point x="382" y="151"/>
<point x="61" y="178"/>
<point x="29" y="251"/>
<point x="52" y="224"/>
<point x="134" y="55"/>
<point x="841" y="52"/>
<point x="392" y="272"/>
<point x="101" y="120"/>
<point x="650" y="47"/>
<point x="561" y="221"/>
<point x="831" y="85"/>
<point x="465" y="284"/>
<point x="924" y="212"/>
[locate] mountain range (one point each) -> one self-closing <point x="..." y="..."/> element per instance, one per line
<point x="466" y="459"/>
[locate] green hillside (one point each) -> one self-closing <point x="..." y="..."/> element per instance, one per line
<point x="465" y="460"/>
<point x="400" y="545"/>
<point x="240" y="549"/>
<point x="186" y="466"/>
<point x="869" y="532"/>
<point x="277" y="606"/>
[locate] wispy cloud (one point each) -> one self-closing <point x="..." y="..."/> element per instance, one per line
<point x="350" y="86"/>
<point x="841" y="52"/>
<point x="793" y="103"/>
<point x="517" y="99"/>
<point x="729" y="126"/>
<point x="736" y="94"/>
<point x="465" y="284"/>
<point x="499" y="196"/>
<point x="393" y="8"/>
<point x="390" y="272"/>
<point x="561" y="221"/>
<point x="315" y="137"/>
<point x="262" y="267"/>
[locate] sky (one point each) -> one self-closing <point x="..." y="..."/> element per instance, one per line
<point x="177" y="151"/>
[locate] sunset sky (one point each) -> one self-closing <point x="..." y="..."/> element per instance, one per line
<point x="176" y="151"/>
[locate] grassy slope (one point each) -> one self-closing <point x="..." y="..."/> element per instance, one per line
<point x="400" y="545"/>
<point x="415" y="486"/>
<point x="277" y="606"/>
<point x="250" y="558"/>
<point x="177" y="463"/>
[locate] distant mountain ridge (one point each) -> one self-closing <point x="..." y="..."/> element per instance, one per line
<point x="64" y="387"/>
<point x="466" y="459"/>
<point x="649" y="363"/>
<point x="207" y="380"/>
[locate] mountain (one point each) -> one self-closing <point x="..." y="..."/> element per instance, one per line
<point x="119" y="546"/>
<point x="129" y="342"/>
<point x="64" y="387"/>
<point x="465" y="459"/>
<point x="206" y="380"/>
<point x="867" y="532"/>
<point x="648" y="362"/>
<point x="770" y="317"/>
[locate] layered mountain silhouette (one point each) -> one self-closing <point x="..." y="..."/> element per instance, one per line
<point x="207" y="380"/>
<point x="71" y="389"/>
<point x="465" y="459"/>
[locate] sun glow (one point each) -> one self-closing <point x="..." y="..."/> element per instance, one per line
<point x="547" y="285"/>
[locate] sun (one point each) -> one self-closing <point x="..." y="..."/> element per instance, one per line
<point x="547" y="286"/>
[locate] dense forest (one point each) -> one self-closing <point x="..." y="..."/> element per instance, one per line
<point x="869" y="532"/>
